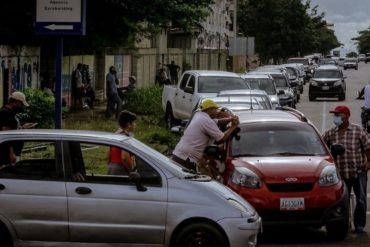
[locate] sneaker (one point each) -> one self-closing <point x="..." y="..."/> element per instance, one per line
<point x="359" y="229"/>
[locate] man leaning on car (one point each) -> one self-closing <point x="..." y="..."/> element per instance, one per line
<point x="354" y="163"/>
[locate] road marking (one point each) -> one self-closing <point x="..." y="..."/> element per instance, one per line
<point x="323" y="125"/>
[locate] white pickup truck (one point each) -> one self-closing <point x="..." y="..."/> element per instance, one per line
<point x="179" y="101"/>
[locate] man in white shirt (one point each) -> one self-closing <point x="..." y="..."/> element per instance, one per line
<point x="202" y="129"/>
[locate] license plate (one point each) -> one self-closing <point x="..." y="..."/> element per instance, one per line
<point x="289" y="204"/>
<point x="325" y="88"/>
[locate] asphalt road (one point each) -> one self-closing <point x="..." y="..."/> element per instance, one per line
<point x="318" y="112"/>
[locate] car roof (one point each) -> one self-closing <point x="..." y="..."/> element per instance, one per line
<point x="61" y="133"/>
<point x="286" y="115"/>
<point x="264" y="76"/>
<point x="243" y="92"/>
<point x="212" y="73"/>
<point x="327" y="67"/>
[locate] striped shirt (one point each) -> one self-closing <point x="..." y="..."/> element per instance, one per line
<point x="356" y="142"/>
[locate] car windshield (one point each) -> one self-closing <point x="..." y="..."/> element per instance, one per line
<point x="291" y="71"/>
<point x="326" y="74"/>
<point x="262" y="84"/>
<point x="280" y="80"/>
<point x="215" y="84"/>
<point x="298" y="60"/>
<point x="277" y="139"/>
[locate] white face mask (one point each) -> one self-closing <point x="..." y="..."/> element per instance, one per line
<point x="337" y="120"/>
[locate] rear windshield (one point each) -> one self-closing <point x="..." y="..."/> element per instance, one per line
<point x="280" y="80"/>
<point x="277" y="139"/>
<point x="326" y="74"/>
<point x="262" y="84"/>
<point x="215" y="84"/>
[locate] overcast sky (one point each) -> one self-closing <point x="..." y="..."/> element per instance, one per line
<point x="348" y="17"/>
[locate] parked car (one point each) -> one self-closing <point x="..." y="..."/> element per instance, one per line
<point x="295" y="75"/>
<point x="327" y="61"/>
<point x="341" y="61"/>
<point x="350" y="63"/>
<point x="367" y="57"/>
<point x="327" y="81"/>
<point x="178" y="101"/>
<point x="281" y="165"/>
<point x="361" y="57"/>
<point x="308" y="63"/>
<point x="264" y="82"/>
<point x="59" y="193"/>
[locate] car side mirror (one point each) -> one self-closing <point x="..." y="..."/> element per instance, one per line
<point x="189" y="90"/>
<point x="337" y="149"/>
<point x="135" y="177"/>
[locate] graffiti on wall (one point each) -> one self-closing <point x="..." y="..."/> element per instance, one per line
<point x="18" y="73"/>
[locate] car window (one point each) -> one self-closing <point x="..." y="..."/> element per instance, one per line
<point x="215" y="84"/>
<point x="272" y="139"/>
<point x="184" y="80"/>
<point x="264" y="84"/>
<point x="192" y="82"/>
<point x="326" y="74"/>
<point x="35" y="160"/>
<point x="280" y="80"/>
<point x="105" y="163"/>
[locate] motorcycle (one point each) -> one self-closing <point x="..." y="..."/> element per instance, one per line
<point x="365" y="114"/>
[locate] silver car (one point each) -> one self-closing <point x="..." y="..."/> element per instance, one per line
<point x="59" y="193"/>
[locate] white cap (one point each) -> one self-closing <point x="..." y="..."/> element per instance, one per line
<point x="19" y="96"/>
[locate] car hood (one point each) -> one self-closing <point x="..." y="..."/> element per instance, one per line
<point x="326" y="79"/>
<point x="206" y="95"/>
<point x="277" y="169"/>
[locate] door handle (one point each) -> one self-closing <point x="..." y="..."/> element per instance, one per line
<point x="2" y="186"/>
<point x="83" y="190"/>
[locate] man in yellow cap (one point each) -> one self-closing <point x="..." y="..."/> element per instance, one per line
<point x="202" y="129"/>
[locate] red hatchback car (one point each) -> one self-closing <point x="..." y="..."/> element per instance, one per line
<point x="280" y="164"/>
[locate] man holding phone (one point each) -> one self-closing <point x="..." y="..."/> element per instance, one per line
<point x="9" y="121"/>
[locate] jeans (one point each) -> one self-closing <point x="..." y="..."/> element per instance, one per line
<point x="114" y="104"/>
<point x="359" y="188"/>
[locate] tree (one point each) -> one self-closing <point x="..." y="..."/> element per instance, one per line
<point x="363" y="41"/>
<point x="108" y="22"/>
<point x="284" y="28"/>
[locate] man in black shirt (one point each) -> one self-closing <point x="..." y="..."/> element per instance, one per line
<point x="9" y="121"/>
<point x="174" y="71"/>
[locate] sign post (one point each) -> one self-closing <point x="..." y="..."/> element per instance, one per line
<point x="59" y="18"/>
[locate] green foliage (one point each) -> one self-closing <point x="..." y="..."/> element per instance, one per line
<point x="145" y="101"/>
<point x="363" y="41"/>
<point x="284" y="28"/>
<point x="41" y="109"/>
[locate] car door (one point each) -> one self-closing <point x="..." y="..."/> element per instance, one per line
<point x="33" y="194"/>
<point x="180" y="97"/>
<point x="110" y="208"/>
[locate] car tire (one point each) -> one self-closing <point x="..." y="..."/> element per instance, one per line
<point x="337" y="230"/>
<point x="356" y="68"/>
<point x="200" y="234"/>
<point x="311" y="97"/>
<point x="344" y="68"/>
<point x="342" y="96"/>
<point x="168" y="117"/>
<point x="5" y="237"/>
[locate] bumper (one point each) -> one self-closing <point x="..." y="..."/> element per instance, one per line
<point x="352" y="66"/>
<point x="322" y="205"/>
<point x="242" y="232"/>
<point x="330" y="91"/>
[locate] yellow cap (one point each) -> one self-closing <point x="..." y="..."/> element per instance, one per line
<point x="208" y="103"/>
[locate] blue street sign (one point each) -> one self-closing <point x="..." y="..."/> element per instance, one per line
<point x="56" y="17"/>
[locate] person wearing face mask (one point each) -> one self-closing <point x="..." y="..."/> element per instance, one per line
<point x="114" y="102"/>
<point x="354" y="164"/>
<point x="122" y="162"/>
<point x="9" y="121"/>
<point x="202" y="129"/>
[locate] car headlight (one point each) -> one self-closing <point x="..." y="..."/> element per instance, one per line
<point x="337" y="83"/>
<point x="245" y="177"/>
<point x="329" y="176"/>
<point x="314" y="83"/>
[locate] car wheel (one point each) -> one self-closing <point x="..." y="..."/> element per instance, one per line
<point x="342" y="96"/>
<point x="168" y="117"/>
<point x="337" y="230"/>
<point x="5" y="237"/>
<point x="311" y="97"/>
<point x="344" y="68"/>
<point x="356" y="68"/>
<point x="200" y="235"/>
